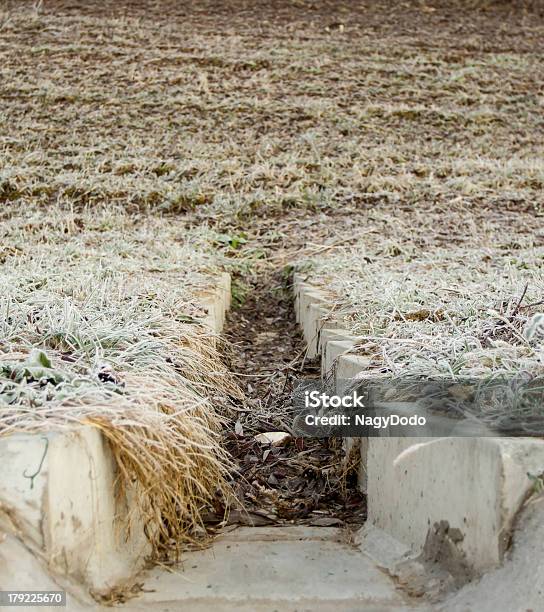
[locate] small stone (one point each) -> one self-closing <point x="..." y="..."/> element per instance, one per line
<point x="275" y="438"/>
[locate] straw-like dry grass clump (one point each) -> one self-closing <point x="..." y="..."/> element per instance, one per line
<point x="101" y="326"/>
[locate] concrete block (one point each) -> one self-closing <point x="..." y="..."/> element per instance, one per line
<point x="298" y="300"/>
<point x="329" y="333"/>
<point x="349" y="368"/>
<point x="227" y="291"/>
<point x="317" y="318"/>
<point x="298" y="278"/>
<point x="216" y="301"/>
<point x="334" y="331"/>
<point x="23" y="570"/>
<point x="328" y="339"/>
<point x="211" y="301"/>
<point x="24" y="485"/>
<point x="59" y="491"/>
<point x="302" y="299"/>
<point x="307" y="299"/>
<point x="297" y="291"/>
<point x="333" y="350"/>
<point x="475" y="484"/>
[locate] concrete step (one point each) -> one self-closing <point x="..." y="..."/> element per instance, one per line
<point x="263" y="568"/>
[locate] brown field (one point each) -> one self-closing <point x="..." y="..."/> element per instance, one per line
<point x="234" y="107"/>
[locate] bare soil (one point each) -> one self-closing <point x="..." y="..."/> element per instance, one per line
<point x="305" y="481"/>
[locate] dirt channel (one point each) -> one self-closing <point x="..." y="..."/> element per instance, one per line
<point x="303" y="480"/>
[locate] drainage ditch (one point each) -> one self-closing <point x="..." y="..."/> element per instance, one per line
<point x="291" y="480"/>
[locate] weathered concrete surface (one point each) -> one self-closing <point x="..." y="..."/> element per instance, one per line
<point x="21" y="569"/>
<point x="475" y="484"/>
<point x="58" y="494"/>
<point x="20" y="495"/>
<point x="217" y="301"/>
<point x="328" y="352"/>
<point x="348" y="368"/>
<point x="517" y="586"/>
<point x="314" y="310"/>
<point x="293" y="568"/>
<point x="332" y="351"/>
<point x="385" y="550"/>
<point x="320" y="319"/>
<point x="69" y="510"/>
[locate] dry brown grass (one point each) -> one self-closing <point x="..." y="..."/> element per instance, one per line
<point x="236" y="108"/>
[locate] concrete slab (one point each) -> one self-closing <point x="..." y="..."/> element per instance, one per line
<point x="298" y="568"/>
<point x="385" y="550"/>
<point x="22" y="570"/>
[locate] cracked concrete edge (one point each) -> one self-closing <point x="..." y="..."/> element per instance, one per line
<point x="476" y="485"/>
<point x="69" y="511"/>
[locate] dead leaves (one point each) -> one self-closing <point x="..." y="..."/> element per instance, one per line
<point x="301" y="481"/>
<point x="423" y="314"/>
<point x="280" y="478"/>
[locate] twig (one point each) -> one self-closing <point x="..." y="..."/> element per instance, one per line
<point x="32" y="476"/>
<point x="539" y="303"/>
<point x="516" y="309"/>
